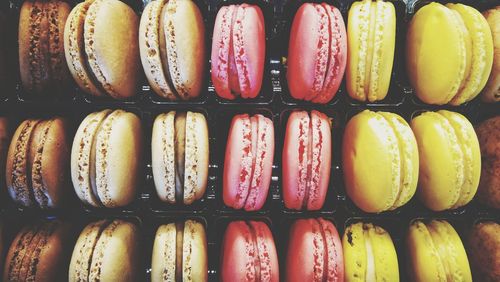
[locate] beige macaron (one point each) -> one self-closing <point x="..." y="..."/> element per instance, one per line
<point x="106" y="158"/>
<point x="180" y="155"/>
<point x="106" y="251"/>
<point x="180" y="252"/>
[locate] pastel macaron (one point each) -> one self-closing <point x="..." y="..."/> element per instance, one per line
<point x="102" y="50"/>
<point x="238" y="51"/>
<point x="172" y="48"/>
<point x="314" y="252"/>
<point x="450" y="159"/>
<point x="369" y="253"/>
<point x="180" y="156"/>
<point x="317" y="53"/>
<point x="452" y="43"/>
<point x="491" y="92"/>
<point x="106" y="250"/>
<point x="37" y="163"/>
<point x="371" y="27"/>
<point x="248" y="253"/>
<point x="248" y="162"/>
<point x="106" y="158"/>
<point x="306" y="160"/>
<point x="380" y="161"/>
<point x="436" y="252"/>
<point x="180" y="252"/>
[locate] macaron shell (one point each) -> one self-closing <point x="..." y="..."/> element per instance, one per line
<point x="491" y="93"/>
<point x="483" y="250"/>
<point x="371" y="44"/>
<point x="220" y="51"/>
<point x="75" y="51"/>
<point x="163" y="154"/>
<point x="194" y="252"/>
<point x="117" y="177"/>
<point x="384" y="254"/>
<point x="163" y="260"/>
<point x="437" y="24"/>
<point x="15" y="254"/>
<point x="481" y="53"/>
<point x="268" y="258"/>
<point x="115" y="63"/>
<point x="355" y="252"/>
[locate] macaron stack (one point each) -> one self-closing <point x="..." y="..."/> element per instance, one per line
<point x="248" y="162"/>
<point x="37" y="163"/>
<point x="101" y="48"/>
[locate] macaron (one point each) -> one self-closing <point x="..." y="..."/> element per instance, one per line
<point x="436" y="253"/>
<point x="491" y="92"/>
<point x="5" y="136"/>
<point x="248" y="253"/>
<point x="248" y="162"/>
<point x="369" y="254"/>
<point x="314" y="252"/>
<point x="37" y="163"/>
<point x="106" y="158"/>
<point x="488" y="134"/>
<point x="180" y="252"/>
<point x="484" y="249"/>
<point x="42" y="62"/>
<point x="317" y="53"/>
<point x="39" y="252"/>
<point x="172" y="48"/>
<point x="102" y="50"/>
<point x="238" y="51"/>
<point x="380" y="161"/>
<point x="306" y="160"/>
<point x="180" y="155"/>
<point x="453" y="43"/>
<point x="450" y="159"/>
<point x="106" y="250"/>
<point x="371" y="27"/>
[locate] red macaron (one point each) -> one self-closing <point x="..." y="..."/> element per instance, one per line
<point x="306" y="160"/>
<point x="314" y="252"/>
<point x="317" y="53"/>
<point x="248" y="162"/>
<point x="249" y="253"/>
<point x="238" y="51"/>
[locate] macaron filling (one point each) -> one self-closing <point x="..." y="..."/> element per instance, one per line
<point x="179" y="251"/>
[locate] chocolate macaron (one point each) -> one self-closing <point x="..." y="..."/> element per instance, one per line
<point x="106" y="157"/>
<point x="172" y="47"/>
<point x="106" y="251"/>
<point x="180" y="252"/>
<point x="100" y="42"/>
<point x="37" y="163"/>
<point x="42" y="62"/>
<point x="39" y="253"/>
<point x="180" y="151"/>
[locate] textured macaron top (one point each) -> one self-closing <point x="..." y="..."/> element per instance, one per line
<point x="317" y="53"/>
<point x="238" y="51"/>
<point x="314" y="251"/>
<point x="380" y="161"/>
<point x="306" y="160"/>
<point x="371" y="43"/>
<point x="248" y="161"/>
<point x="180" y="156"/>
<point x="248" y="252"/>
<point x="449" y="181"/>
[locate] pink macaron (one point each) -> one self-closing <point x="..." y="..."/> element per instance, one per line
<point x="314" y="252"/>
<point x="249" y="253"/>
<point x="317" y="53"/>
<point x="238" y="51"/>
<point x="248" y="162"/>
<point x="306" y="160"/>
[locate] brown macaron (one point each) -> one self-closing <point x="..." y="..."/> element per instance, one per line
<point x="180" y="153"/>
<point x="5" y="136"/>
<point x="40" y="252"/>
<point x="106" y="251"/>
<point x="180" y="252"/>
<point x="484" y="251"/>
<point x="37" y="163"/>
<point x="42" y="62"/>
<point x="172" y="47"/>
<point x="100" y="42"/>
<point x="106" y="158"/>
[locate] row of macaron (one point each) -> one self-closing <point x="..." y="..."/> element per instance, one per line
<point x="103" y="52"/>
<point x="385" y="160"/>
<point x="112" y="250"/>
